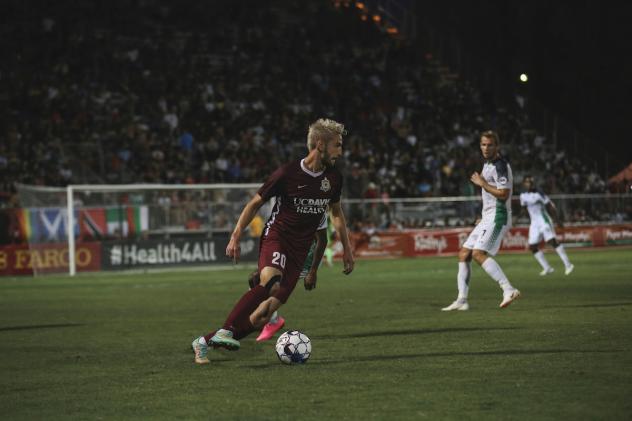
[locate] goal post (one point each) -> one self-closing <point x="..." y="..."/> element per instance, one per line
<point x="70" y="207"/>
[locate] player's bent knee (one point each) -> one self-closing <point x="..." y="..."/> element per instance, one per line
<point x="270" y="278"/>
<point x="534" y="248"/>
<point x="553" y="242"/>
<point x="274" y="289"/>
<point x="479" y="256"/>
<point x="273" y="284"/>
<point x="465" y="255"/>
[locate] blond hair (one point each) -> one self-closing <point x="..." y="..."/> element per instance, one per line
<point x="323" y="128"/>
<point x="490" y="134"/>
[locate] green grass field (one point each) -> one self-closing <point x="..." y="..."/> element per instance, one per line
<point x="117" y="346"/>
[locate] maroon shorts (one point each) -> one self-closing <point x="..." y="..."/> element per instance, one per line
<point x="285" y="257"/>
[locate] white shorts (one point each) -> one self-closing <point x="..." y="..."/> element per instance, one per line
<point x="538" y="231"/>
<point x="486" y="236"/>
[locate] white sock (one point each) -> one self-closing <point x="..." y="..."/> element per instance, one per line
<point x="539" y="256"/>
<point x="562" y="253"/>
<point x="274" y="318"/>
<point x="496" y="273"/>
<point x="463" y="280"/>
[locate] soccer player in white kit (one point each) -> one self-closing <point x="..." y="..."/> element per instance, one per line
<point x="537" y="204"/>
<point x="496" y="182"/>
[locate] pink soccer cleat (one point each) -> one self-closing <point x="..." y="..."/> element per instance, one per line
<point x="270" y="329"/>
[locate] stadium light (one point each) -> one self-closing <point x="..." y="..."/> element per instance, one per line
<point x="524" y="78"/>
<point x="360" y="5"/>
<point x="377" y="18"/>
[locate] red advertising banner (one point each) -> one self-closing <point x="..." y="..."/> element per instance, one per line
<point x="436" y="243"/>
<point x="47" y="258"/>
<point x="441" y="242"/>
<point x="581" y="236"/>
<point x="618" y="235"/>
<point x="53" y="258"/>
<point x="382" y="245"/>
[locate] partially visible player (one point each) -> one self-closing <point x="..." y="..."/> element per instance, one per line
<point x="309" y="275"/>
<point x="496" y="182"/>
<point x="540" y="210"/>
<point x="303" y="189"/>
<point x="329" y="249"/>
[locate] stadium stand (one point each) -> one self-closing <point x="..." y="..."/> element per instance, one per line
<point x="161" y="92"/>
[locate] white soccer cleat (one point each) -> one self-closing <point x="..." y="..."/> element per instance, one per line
<point x="569" y="269"/>
<point x="460" y="305"/>
<point x="509" y="297"/>
<point x="200" y="349"/>
<point x="547" y="271"/>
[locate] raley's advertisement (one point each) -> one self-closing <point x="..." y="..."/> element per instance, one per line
<point x="412" y="243"/>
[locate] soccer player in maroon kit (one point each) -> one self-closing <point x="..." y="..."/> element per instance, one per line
<point x="303" y="190"/>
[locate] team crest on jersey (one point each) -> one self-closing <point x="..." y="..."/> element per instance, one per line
<point x="502" y="180"/>
<point x="325" y="185"/>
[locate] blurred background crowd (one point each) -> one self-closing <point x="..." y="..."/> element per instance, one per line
<point x="153" y="91"/>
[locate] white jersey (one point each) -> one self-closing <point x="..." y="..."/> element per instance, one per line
<point x="498" y="174"/>
<point x="536" y="202"/>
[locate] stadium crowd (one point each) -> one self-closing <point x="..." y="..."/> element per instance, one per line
<point x="161" y="92"/>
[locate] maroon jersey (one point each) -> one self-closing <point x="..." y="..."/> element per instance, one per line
<point x="302" y="197"/>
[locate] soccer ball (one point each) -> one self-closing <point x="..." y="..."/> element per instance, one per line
<point x="293" y="347"/>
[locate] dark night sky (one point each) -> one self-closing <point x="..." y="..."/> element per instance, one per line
<point x="577" y="56"/>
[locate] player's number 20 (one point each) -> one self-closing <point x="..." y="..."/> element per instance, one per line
<point x="278" y="259"/>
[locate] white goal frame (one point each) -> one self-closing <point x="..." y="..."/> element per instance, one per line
<point x="113" y="188"/>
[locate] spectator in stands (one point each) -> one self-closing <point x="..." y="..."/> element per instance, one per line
<point x="164" y="93"/>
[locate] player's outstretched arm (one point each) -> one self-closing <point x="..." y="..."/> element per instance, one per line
<point x="250" y="210"/>
<point x="340" y="223"/>
<point x="319" y="251"/>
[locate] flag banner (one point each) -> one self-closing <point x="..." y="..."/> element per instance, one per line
<point x="93" y="224"/>
<point x="138" y="218"/>
<point x="44" y="225"/>
<point x="117" y="224"/>
<point x="123" y="221"/>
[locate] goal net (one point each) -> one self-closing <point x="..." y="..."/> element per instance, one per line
<point x="138" y="226"/>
